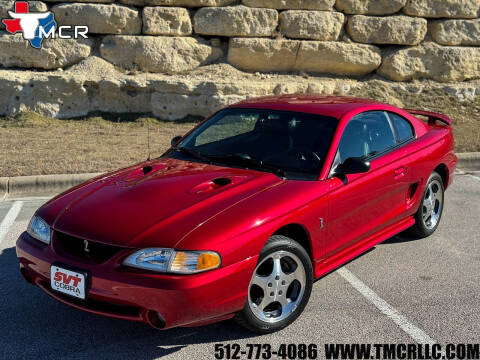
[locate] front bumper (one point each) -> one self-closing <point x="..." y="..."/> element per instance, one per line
<point x="161" y="300"/>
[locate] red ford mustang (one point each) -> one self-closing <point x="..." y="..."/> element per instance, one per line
<point x="241" y="215"/>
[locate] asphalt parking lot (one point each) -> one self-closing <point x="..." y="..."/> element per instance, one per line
<point x="402" y="291"/>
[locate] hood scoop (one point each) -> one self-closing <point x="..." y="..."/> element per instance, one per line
<point x="146" y="169"/>
<point x="141" y="173"/>
<point x="217" y="184"/>
<point x="223" y="181"/>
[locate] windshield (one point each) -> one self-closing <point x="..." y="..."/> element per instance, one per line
<point x="289" y="144"/>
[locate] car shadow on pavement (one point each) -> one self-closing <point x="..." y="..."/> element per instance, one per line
<point x="37" y="326"/>
<point x="400" y="238"/>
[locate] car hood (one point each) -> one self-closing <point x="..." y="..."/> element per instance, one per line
<point x="159" y="208"/>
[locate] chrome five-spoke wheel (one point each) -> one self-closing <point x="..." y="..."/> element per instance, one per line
<point x="430" y="209"/>
<point x="432" y="204"/>
<point x="277" y="286"/>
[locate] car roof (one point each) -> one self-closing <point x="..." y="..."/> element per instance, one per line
<point x="335" y="106"/>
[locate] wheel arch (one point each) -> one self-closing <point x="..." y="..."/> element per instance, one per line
<point x="298" y="233"/>
<point x="442" y="170"/>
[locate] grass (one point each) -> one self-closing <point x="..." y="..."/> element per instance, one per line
<point x="31" y="144"/>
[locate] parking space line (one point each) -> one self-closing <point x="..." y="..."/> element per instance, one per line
<point x="29" y="198"/>
<point x="9" y="219"/>
<point x="465" y="173"/>
<point x="417" y="334"/>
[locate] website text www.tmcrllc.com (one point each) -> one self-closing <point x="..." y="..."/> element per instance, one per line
<point x="349" y="351"/>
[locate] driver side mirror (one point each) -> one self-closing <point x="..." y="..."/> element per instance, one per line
<point x="353" y="165"/>
<point x="175" y="140"/>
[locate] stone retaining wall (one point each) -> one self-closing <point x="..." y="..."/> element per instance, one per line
<point x="135" y="41"/>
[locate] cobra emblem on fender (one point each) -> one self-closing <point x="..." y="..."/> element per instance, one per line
<point x="85" y="243"/>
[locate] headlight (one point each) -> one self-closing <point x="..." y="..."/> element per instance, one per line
<point x="173" y="261"/>
<point x="39" y="229"/>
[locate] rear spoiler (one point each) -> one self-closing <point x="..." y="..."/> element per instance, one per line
<point x="433" y="117"/>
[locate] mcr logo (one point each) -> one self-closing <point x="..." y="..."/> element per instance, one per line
<point x="66" y="279"/>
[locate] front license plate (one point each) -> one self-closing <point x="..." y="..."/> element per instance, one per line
<point x="68" y="282"/>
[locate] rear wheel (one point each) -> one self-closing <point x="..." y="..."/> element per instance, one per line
<point x="430" y="210"/>
<point x="280" y="286"/>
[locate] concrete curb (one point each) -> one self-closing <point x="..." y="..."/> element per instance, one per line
<point x="23" y="186"/>
<point x="3" y="188"/>
<point x="40" y="184"/>
<point x="469" y="161"/>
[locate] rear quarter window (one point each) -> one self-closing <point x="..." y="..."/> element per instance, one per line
<point x="402" y="126"/>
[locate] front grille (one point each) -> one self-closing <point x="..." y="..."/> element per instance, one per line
<point x="71" y="246"/>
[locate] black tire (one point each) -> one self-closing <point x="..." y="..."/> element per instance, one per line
<point x="420" y="230"/>
<point x="247" y="318"/>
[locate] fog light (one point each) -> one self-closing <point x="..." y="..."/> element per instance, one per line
<point x="155" y="320"/>
<point x="26" y="275"/>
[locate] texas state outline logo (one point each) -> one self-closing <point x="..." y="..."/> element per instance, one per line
<point x="35" y="27"/>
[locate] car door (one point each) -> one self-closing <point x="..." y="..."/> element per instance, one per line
<point x="363" y="204"/>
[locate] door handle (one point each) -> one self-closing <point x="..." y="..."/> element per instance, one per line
<point x="400" y="172"/>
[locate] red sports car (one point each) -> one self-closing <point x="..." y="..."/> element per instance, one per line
<point x="240" y="215"/>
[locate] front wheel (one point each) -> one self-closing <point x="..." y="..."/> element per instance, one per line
<point x="280" y="286"/>
<point x="430" y="210"/>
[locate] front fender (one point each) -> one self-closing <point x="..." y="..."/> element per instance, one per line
<point x="241" y="231"/>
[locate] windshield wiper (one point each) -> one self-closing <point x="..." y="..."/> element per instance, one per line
<point x="192" y="153"/>
<point x="248" y="162"/>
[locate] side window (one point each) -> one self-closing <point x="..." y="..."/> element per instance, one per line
<point x="366" y="134"/>
<point x="402" y="127"/>
<point x="353" y="142"/>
